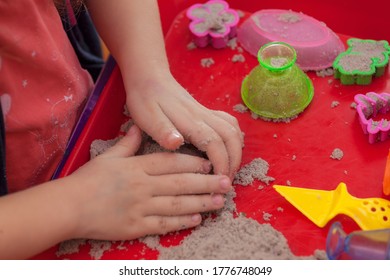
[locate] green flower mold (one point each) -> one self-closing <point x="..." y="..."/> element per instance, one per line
<point x="362" y="60"/>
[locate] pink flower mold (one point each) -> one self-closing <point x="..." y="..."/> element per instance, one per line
<point x="368" y="106"/>
<point x="212" y="23"/>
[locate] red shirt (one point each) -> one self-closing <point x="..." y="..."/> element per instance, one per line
<point x="42" y="89"/>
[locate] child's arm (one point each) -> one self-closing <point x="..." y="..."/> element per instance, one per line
<point x="158" y="104"/>
<point x="115" y="196"/>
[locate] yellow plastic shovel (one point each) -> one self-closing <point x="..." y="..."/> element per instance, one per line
<point x="321" y="206"/>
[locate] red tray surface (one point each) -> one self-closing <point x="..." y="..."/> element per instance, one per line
<point x="310" y="138"/>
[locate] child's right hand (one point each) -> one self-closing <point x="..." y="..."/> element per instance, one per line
<point x="119" y="196"/>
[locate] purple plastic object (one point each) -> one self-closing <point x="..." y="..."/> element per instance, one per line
<point x="212" y="23"/>
<point x="316" y="45"/>
<point x="368" y="106"/>
<point x="88" y="108"/>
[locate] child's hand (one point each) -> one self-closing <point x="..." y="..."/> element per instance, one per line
<point x="168" y="113"/>
<point x="119" y="196"/>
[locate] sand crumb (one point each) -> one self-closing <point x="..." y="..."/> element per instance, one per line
<point x="207" y="62"/>
<point x="256" y="169"/>
<point x="334" y="104"/>
<point x="240" y="108"/>
<point x="337" y="154"/>
<point x="232" y="43"/>
<point x="294" y="157"/>
<point x="191" y="46"/>
<point x="325" y="72"/>
<point x="267" y="216"/>
<point x="238" y="58"/>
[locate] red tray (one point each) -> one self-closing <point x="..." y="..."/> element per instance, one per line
<point x="309" y="139"/>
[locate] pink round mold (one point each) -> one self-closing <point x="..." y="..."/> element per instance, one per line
<point x="316" y="45"/>
<point x="212" y="23"/>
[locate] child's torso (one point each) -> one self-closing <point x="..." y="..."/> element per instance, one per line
<point x="42" y="89"/>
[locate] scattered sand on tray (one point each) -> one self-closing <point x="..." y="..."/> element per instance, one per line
<point x="241" y="108"/>
<point x="96" y="251"/>
<point x="227" y="237"/>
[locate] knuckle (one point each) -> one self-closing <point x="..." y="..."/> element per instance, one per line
<point x="176" y="204"/>
<point x="163" y="225"/>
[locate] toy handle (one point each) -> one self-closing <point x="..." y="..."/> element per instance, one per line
<point x="368" y="213"/>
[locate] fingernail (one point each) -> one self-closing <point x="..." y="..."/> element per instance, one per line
<point x="175" y="135"/>
<point x="175" y="139"/>
<point x="131" y="130"/>
<point x="217" y="199"/>
<point x="225" y="183"/>
<point x="196" y="218"/>
<point x="206" y="166"/>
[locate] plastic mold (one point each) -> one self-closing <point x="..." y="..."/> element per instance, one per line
<point x="368" y="106"/>
<point x="277" y="89"/>
<point x="316" y="45"/>
<point x="212" y="23"/>
<point x="361" y="61"/>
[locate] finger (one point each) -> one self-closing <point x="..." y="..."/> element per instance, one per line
<point x="162" y="131"/>
<point x="184" y="204"/>
<point x="227" y="127"/>
<point x="127" y="146"/>
<point x="165" y="224"/>
<point x="174" y="163"/>
<point x="190" y="183"/>
<point x="207" y="140"/>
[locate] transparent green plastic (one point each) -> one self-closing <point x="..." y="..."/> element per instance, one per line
<point x="277" y="88"/>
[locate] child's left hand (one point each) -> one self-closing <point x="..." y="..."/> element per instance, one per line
<point x="170" y="115"/>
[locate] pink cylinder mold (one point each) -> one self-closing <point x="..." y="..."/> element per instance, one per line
<point x="316" y="45"/>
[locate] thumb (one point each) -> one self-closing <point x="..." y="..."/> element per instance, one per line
<point x="127" y="146"/>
